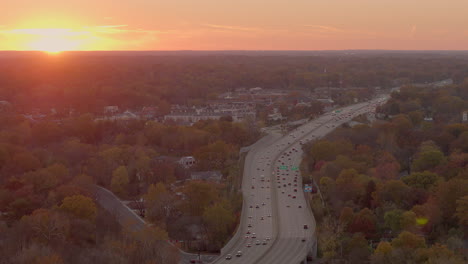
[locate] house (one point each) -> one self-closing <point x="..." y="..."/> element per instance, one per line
<point x="149" y="112"/>
<point x="187" y="161"/>
<point x="275" y="116"/>
<point x="111" y="109"/>
<point x="214" y="176"/>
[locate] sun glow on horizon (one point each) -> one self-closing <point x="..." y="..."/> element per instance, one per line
<point x="53" y="40"/>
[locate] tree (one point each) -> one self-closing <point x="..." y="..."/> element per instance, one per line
<point x="219" y="220"/>
<point x="382" y="254"/>
<point x="47" y="226"/>
<point x="448" y="193"/>
<point x="438" y="254"/>
<point x="158" y="203"/>
<point x="120" y="180"/>
<point x="462" y="211"/>
<point x="408" y="241"/>
<point x="328" y="150"/>
<point x="199" y="196"/>
<point x="213" y="156"/>
<point x="393" y="220"/>
<point x="428" y="158"/>
<point x="387" y="167"/>
<point x="423" y="180"/>
<point x="364" y="222"/>
<point x="394" y="191"/>
<point x="24" y="161"/>
<point x="350" y="185"/>
<point x="79" y="206"/>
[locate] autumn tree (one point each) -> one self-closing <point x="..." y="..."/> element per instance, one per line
<point x="47" y="226"/>
<point x="79" y="206"/>
<point x="214" y="156"/>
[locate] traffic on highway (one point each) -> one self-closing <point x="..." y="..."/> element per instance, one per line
<point x="277" y="225"/>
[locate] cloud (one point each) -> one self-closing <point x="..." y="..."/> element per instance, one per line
<point x="113" y="26"/>
<point x="324" y="28"/>
<point x="231" y="28"/>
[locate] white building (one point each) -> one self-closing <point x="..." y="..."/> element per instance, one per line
<point x="187" y="161"/>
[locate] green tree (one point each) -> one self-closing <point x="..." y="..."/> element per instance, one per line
<point x="199" y="196"/>
<point x="424" y="180"/>
<point x="219" y="220"/>
<point x="393" y="220"/>
<point x="120" y="180"/>
<point x="428" y="158"/>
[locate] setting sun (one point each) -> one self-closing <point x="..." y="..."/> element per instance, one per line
<point x="54" y="40"/>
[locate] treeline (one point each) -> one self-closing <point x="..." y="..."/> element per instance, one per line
<point x="48" y="213"/>
<point x="87" y="82"/>
<point x="395" y="191"/>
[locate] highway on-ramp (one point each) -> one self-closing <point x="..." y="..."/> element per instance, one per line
<point x="277" y="225"/>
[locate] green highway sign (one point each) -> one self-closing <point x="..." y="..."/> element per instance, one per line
<point x="283" y="167"/>
<point x="294" y="168"/>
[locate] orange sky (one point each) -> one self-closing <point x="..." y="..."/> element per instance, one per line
<point x="57" y="25"/>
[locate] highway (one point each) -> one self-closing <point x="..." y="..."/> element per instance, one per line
<point x="277" y="225"/>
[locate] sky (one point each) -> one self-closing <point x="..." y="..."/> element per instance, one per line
<point x="58" y="25"/>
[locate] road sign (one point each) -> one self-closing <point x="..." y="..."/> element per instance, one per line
<point x="283" y="167"/>
<point x="294" y="168"/>
<point x="308" y="188"/>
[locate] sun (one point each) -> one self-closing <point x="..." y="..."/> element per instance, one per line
<point x="54" y="40"/>
<point x="53" y="45"/>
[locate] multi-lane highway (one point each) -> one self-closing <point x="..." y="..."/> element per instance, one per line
<point x="277" y="225"/>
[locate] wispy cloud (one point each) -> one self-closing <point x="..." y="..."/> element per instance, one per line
<point x="113" y="26"/>
<point x="324" y="28"/>
<point x="231" y="28"/>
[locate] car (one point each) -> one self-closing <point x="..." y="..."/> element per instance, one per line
<point x="257" y="206"/>
<point x="268" y="238"/>
<point x="289" y="195"/>
<point x="261" y="218"/>
<point x="247" y="236"/>
<point x="284" y="185"/>
<point x="263" y="203"/>
<point x="294" y="197"/>
<point x="249" y="225"/>
<point x="300" y="206"/>
<point x="251" y="206"/>
<point x="295" y="190"/>
<point x="269" y="215"/>
<point x="195" y="261"/>
<point x="248" y="232"/>
<point x="288" y="206"/>
<point x="257" y="242"/>
<point x="248" y="245"/>
<point x="253" y="187"/>
<point x="250" y="217"/>
<point x="239" y="253"/>
<point x="264" y="242"/>
<point x="228" y="256"/>
<point x="289" y="184"/>
<point x="306" y="227"/>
